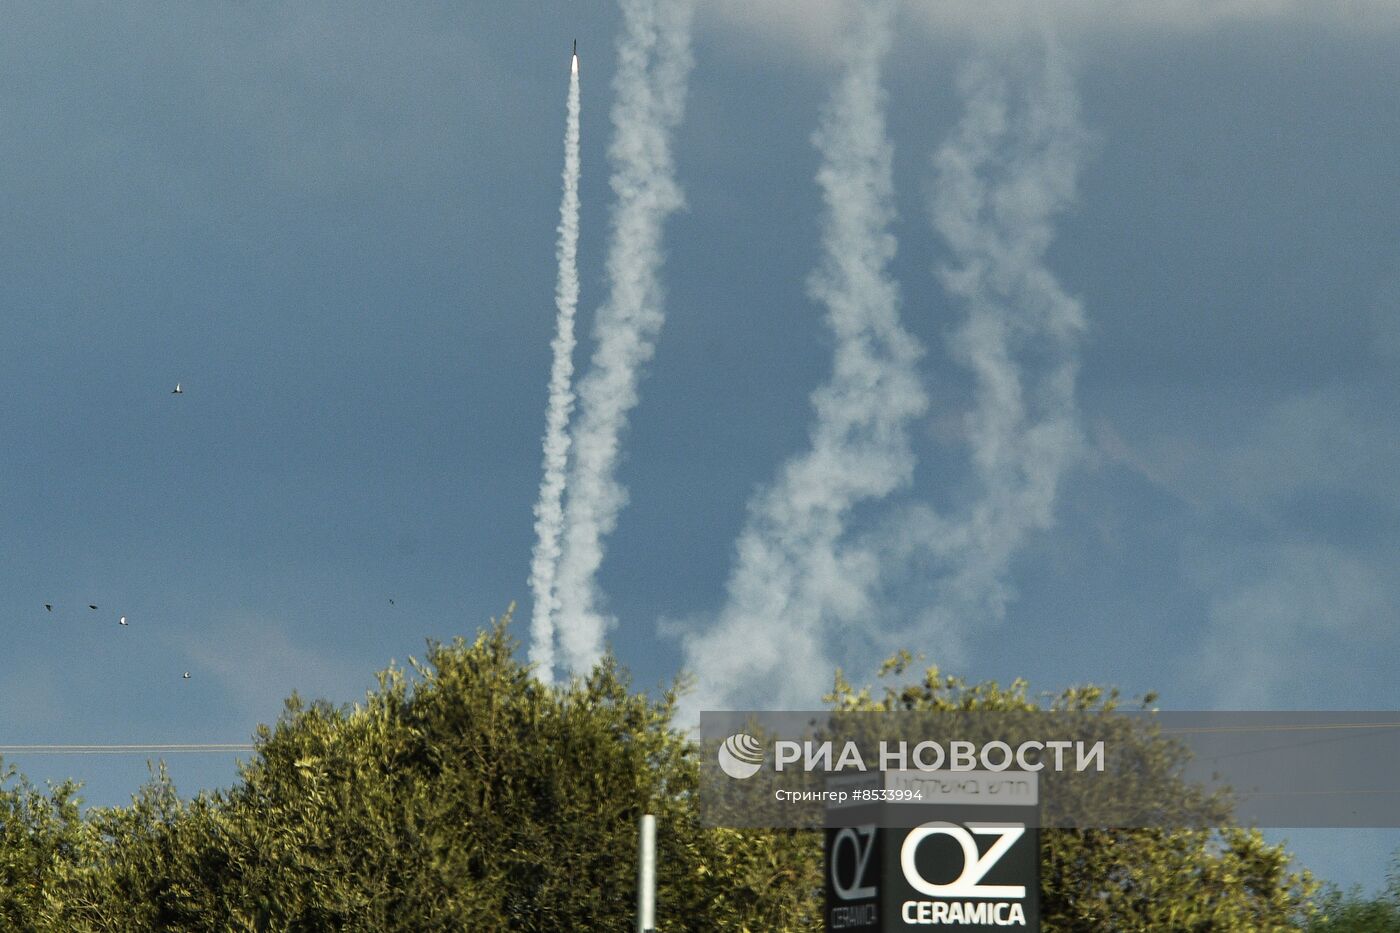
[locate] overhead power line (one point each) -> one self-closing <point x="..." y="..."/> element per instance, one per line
<point x="186" y="748"/>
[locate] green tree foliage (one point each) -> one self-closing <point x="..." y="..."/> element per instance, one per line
<point x="39" y="833"/>
<point x="464" y="794"/>
<point x="1353" y="912"/>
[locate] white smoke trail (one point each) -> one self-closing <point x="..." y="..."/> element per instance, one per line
<point x="1009" y="169"/>
<point x="549" y="512"/>
<point x="653" y="63"/>
<point x="799" y="590"/>
<point x="792" y="579"/>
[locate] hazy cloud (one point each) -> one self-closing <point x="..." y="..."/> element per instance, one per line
<point x="1286" y="617"/>
<point x="816" y="26"/>
<point x="255" y="660"/>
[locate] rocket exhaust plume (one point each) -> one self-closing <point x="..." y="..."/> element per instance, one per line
<point x="549" y="513"/>
<point x="793" y="580"/>
<point x="653" y="64"/>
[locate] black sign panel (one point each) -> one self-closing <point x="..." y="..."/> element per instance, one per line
<point x="968" y="868"/>
<point x="854" y="873"/>
<point x="954" y="867"/>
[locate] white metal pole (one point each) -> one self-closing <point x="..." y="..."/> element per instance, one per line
<point x="646" y="876"/>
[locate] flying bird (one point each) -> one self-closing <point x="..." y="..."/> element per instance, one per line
<point x="122" y="620"/>
<point x="186" y="675"/>
<point x="91" y="606"/>
<point x="177" y="390"/>
<point x="391" y="601"/>
<point x="48" y="606"/>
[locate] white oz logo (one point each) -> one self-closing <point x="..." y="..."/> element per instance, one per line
<point x="975" y="866"/>
<point x="862" y="842"/>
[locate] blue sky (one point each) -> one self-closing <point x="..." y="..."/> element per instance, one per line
<point x="334" y="225"/>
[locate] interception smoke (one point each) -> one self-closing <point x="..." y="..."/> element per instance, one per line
<point x="792" y="578"/>
<point x="798" y="589"/>
<point x="1009" y="169"/>
<point x="549" y="512"/>
<point x="653" y="64"/>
